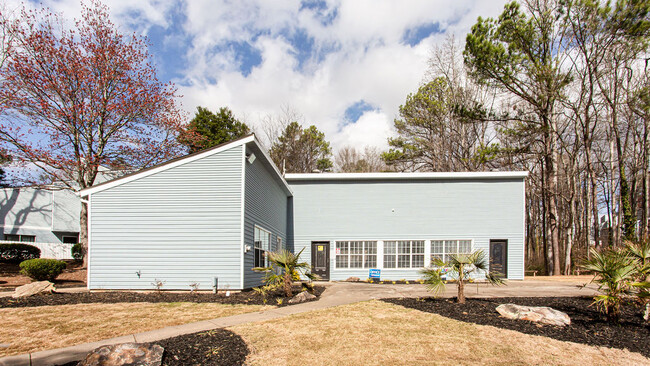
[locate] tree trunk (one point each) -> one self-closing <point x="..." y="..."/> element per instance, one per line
<point x="571" y="230"/>
<point x="551" y="159"/>
<point x="461" y="286"/>
<point x="288" y="282"/>
<point x="83" y="233"/>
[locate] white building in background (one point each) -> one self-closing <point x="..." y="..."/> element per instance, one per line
<point x="46" y="217"/>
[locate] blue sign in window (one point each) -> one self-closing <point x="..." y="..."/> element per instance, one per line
<point x="374" y="273"/>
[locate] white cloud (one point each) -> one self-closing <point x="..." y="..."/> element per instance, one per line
<point x="367" y="60"/>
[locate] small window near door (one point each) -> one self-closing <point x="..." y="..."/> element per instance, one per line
<point x="22" y="238"/>
<point x="280" y="247"/>
<point x="262" y="243"/>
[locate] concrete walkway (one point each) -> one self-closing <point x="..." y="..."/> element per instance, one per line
<point x="336" y="294"/>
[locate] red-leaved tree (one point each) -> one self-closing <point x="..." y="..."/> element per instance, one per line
<point x="74" y="99"/>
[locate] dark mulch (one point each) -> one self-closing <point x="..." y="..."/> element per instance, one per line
<point x="215" y="347"/>
<point x="588" y="326"/>
<point x="110" y="297"/>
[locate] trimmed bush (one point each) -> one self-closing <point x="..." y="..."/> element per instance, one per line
<point x="16" y="253"/>
<point x="42" y="269"/>
<point x="76" y="252"/>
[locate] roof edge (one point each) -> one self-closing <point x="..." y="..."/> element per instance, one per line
<point x="413" y="176"/>
<point x="165" y="166"/>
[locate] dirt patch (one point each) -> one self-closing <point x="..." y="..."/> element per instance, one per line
<point x="111" y="297"/>
<point x="587" y="325"/>
<point x="215" y="347"/>
<point x="72" y="276"/>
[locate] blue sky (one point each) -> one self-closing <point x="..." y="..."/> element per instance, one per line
<point x="345" y="66"/>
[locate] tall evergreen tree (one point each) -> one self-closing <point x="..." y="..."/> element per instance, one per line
<point x="301" y="150"/>
<point x="208" y="129"/>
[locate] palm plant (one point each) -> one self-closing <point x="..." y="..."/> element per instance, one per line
<point x="462" y="266"/>
<point x="640" y="252"/>
<point x="285" y="266"/>
<point x="614" y="272"/>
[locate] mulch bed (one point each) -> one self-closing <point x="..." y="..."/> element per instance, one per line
<point x="588" y="326"/>
<point x="215" y="347"/>
<point x="111" y="297"/>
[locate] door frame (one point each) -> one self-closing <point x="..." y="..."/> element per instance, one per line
<point x="505" y="257"/>
<point x="314" y="243"/>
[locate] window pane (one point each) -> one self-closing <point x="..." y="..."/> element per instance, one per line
<point x="28" y="238"/>
<point x="389" y="261"/>
<point x="356" y="247"/>
<point x="404" y="247"/>
<point x="389" y="247"/>
<point x="342" y="246"/>
<point x="370" y="247"/>
<point x="341" y="261"/>
<point x="418" y="261"/>
<point x="418" y="247"/>
<point x="12" y="237"/>
<point x="451" y="246"/>
<point x="356" y="261"/>
<point x="403" y="261"/>
<point x="465" y="246"/>
<point x="436" y="246"/>
<point x="370" y="262"/>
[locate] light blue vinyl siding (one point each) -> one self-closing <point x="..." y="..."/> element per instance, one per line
<point x="433" y="209"/>
<point x="180" y="226"/>
<point x="265" y="206"/>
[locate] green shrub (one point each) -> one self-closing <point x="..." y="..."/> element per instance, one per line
<point x="42" y="269"/>
<point x="16" y="253"/>
<point x="76" y="251"/>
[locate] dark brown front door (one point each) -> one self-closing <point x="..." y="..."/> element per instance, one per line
<point x="499" y="257"/>
<point x="320" y="259"/>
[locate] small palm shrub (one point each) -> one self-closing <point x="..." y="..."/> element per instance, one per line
<point x="462" y="266"/>
<point x="285" y="267"/>
<point x="640" y="253"/>
<point x="614" y="272"/>
<point x="42" y="269"/>
<point x="16" y="253"/>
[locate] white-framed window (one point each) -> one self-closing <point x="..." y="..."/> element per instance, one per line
<point x="356" y="254"/>
<point x="404" y="254"/>
<point x="262" y="243"/>
<point x="280" y="247"/>
<point x="22" y="238"/>
<point x="441" y="249"/>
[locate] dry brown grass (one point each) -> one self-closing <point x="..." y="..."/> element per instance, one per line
<point x="48" y="327"/>
<point x="375" y="332"/>
<point x="574" y="278"/>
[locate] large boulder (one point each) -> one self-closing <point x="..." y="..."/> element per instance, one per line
<point x="353" y="279"/>
<point x="301" y="297"/>
<point x="33" y="288"/>
<point x="141" y="354"/>
<point x="538" y="314"/>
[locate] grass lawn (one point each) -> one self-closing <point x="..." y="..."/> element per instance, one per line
<point x="375" y="332"/>
<point x="39" y="328"/>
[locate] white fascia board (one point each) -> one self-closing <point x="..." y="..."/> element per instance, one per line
<point x="405" y="176"/>
<point x="163" y="167"/>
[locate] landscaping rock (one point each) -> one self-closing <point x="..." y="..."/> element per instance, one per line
<point x="33" y="288"/>
<point x="538" y="314"/>
<point x="141" y="354"/>
<point x="302" y="297"/>
<point x="353" y="279"/>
